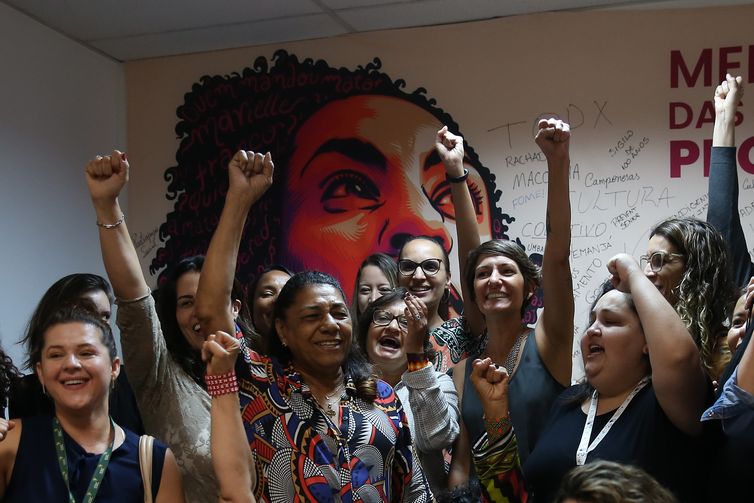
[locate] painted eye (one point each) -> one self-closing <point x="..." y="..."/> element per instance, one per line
<point x="348" y="190"/>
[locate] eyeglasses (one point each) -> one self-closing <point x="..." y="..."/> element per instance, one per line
<point x="382" y="318"/>
<point x="658" y="259"/>
<point x="430" y="266"/>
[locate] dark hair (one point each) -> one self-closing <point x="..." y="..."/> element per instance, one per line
<point x="356" y="365"/>
<point x="71" y="313"/>
<point x="180" y="350"/>
<point x="8" y="375"/>
<point x="288" y="91"/>
<point x="67" y="290"/>
<point x="255" y="284"/>
<point x="365" y="321"/>
<point x="609" y="482"/>
<point x="444" y="308"/>
<point x="736" y="359"/>
<point x="705" y="291"/>
<point x="384" y="263"/>
<point x="531" y="272"/>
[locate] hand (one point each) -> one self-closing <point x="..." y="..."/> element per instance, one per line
<point x="450" y="149"/>
<point x="620" y="267"/>
<point x="106" y="176"/>
<point x="5" y="427"/>
<point x="416" y="314"/>
<point x="749" y="294"/>
<point x="491" y="384"/>
<point x="250" y="175"/>
<point x="219" y="352"/>
<point x="553" y="139"/>
<point x="727" y="96"/>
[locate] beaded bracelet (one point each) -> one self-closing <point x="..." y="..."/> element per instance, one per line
<point x="497" y="428"/>
<point x="416" y="361"/>
<point x="113" y="225"/>
<point x="458" y="179"/>
<point x="221" y="384"/>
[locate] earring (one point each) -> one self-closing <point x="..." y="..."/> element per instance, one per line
<point x="44" y="391"/>
<point x="112" y="382"/>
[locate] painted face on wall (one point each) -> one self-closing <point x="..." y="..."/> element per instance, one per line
<point x="363" y="177"/>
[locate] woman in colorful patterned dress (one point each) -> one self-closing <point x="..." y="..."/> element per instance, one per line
<point x="320" y="426"/>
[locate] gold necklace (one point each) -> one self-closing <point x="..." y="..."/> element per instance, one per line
<point x="329" y="402"/>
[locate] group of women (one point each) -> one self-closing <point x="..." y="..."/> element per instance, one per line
<point x="393" y="397"/>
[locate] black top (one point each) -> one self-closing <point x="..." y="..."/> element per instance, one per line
<point x="532" y="391"/>
<point x="26" y="399"/>
<point x="36" y="474"/>
<point x="643" y="436"/>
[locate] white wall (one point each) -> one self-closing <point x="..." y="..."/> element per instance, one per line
<point x="60" y="104"/>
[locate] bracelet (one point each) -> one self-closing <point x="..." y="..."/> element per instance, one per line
<point x="497" y="428"/>
<point x="458" y="179"/>
<point x="221" y="384"/>
<point x="112" y="226"/>
<point x="416" y="361"/>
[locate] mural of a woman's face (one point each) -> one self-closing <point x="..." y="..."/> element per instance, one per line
<point x="363" y="177"/>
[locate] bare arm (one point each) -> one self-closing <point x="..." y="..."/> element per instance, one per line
<point x="450" y="149"/>
<point x="678" y="378"/>
<point x="106" y="176"/>
<point x="554" y="331"/>
<point x="171" y="488"/>
<point x="231" y="456"/>
<point x="249" y="176"/>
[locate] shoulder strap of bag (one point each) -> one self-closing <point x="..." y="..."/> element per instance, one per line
<point x="145" y="464"/>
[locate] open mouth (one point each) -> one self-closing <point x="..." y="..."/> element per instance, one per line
<point x="70" y="383"/>
<point x="196" y="327"/>
<point x="390" y="342"/>
<point x="595" y="349"/>
<point x="420" y="289"/>
<point x="496" y="295"/>
<point x="334" y="344"/>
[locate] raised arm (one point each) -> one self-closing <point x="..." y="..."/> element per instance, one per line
<point x="678" y="378"/>
<point x="554" y="331"/>
<point x="722" y="211"/>
<point x="746" y="365"/>
<point x="249" y="177"/>
<point x="106" y="176"/>
<point x="450" y="149"/>
<point x="231" y="456"/>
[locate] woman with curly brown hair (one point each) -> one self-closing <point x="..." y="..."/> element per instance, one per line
<point x="687" y="260"/>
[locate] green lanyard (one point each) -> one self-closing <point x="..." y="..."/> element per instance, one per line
<point x="99" y="470"/>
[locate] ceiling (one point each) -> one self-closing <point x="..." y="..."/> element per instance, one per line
<point x="135" y="29"/>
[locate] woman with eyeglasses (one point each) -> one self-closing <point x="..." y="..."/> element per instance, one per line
<point x="393" y="333"/>
<point x="424" y="264"/>
<point x="687" y="261"/>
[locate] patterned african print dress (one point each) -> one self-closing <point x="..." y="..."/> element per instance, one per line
<point x="301" y="454"/>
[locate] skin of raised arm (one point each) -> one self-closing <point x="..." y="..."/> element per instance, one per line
<point x="678" y="378"/>
<point x="10" y="436"/>
<point x="450" y="149"/>
<point x="554" y="331"/>
<point x="745" y="372"/>
<point x="171" y="488"/>
<point x="726" y="99"/>
<point x="231" y="456"/>
<point x="460" y="464"/>
<point x="105" y="177"/>
<point x="249" y="177"/>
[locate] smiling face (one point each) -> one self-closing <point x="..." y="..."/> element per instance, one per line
<point x="316" y="329"/>
<point x="185" y="292"/>
<point x="669" y="276"/>
<point x="373" y="284"/>
<point x="266" y="292"/>
<point x="75" y="367"/>
<point x="499" y="286"/>
<point x="613" y="347"/>
<point x="737" y="324"/>
<point x="428" y="287"/>
<point x="385" y="343"/>
<point x="364" y="176"/>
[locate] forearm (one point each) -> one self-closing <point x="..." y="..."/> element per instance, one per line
<point x="724" y="130"/>
<point x="118" y="252"/>
<point x="218" y="273"/>
<point x="434" y="404"/>
<point x="231" y="456"/>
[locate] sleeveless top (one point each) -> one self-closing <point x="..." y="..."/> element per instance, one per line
<point x="36" y="474"/>
<point x="531" y="393"/>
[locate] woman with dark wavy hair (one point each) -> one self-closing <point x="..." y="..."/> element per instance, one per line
<point x="319" y="425"/>
<point x="378" y="275"/>
<point x="687" y="260"/>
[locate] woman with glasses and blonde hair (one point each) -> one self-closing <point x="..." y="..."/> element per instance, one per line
<point x="392" y="331"/>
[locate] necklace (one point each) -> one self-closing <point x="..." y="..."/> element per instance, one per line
<point x="330" y="402"/>
<point x="512" y="359"/>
